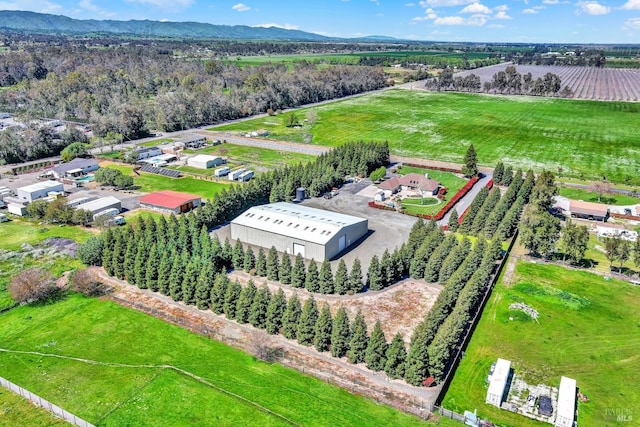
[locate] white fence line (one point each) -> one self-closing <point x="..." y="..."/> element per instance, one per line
<point x="37" y="400"/>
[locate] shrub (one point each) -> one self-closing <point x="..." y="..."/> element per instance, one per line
<point x="31" y="285"/>
<point x="85" y="282"/>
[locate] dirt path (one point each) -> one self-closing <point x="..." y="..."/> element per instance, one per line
<point x="355" y="378"/>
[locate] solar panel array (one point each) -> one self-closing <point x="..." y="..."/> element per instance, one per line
<point x="161" y="171"/>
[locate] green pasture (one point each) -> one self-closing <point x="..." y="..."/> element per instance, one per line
<point x="18" y="231"/>
<point x="590" y="196"/>
<point x="255" y="157"/>
<point x="148" y="372"/>
<point x="587" y="330"/>
<point x="156" y="142"/>
<point x="15" y="410"/>
<point x="587" y="139"/>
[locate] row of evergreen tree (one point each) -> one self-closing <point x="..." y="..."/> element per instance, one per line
<point x="317" y="177"/>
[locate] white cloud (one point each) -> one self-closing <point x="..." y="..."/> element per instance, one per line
<point x="495" y="26"/>
<point x="377" y="3"/>
<point x="410" y="4"/>
<point x="166" y="4"/>
<point x="41" y="6"/>
<point x="240" y="7"/>
<point x="592" y="8"/>
<point x="502" y="7"/>
<point x="429" y="14"/>
<point x="550" y="1"/>
<point x="473" y="21"/>
<point x="529" y="11"/>
<point x="631" y="5"/>
<point x="285" y="26"/>
<point x="88" y="5"/>
<point x="501" y="15"/>
<point x="476" y="8"/>
<point x="632" y="24"/>
<point x="444" y="3"/>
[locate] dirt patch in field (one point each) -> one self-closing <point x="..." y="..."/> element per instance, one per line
<point x="399" y="308"/>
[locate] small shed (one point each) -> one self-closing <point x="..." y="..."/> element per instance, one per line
<point x="17" y="209"/>
<point x="170" y="201"/>
<point x="204" y="161"/>
<point x="498" y="378"/>
<point x="566" y="402"/>
<point x="39" y="190"/>
<point x="588" y="210"/>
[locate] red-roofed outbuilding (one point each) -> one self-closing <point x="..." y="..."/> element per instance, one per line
<point x="170" y="201"/>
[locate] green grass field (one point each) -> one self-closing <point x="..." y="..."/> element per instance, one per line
<point x="140" y="392"/>
<point x="588" y="139"/>
<point x="15" y="410"/>
<point x="18" y="231"/>
<point x="590" y="196"/>
<point x="415" y="205"/>
<point x="156" y="142"/>
<point x="587" y="330"/>
<point x="150" y="182"/>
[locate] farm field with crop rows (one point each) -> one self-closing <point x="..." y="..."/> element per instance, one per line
<point x="600" y="84"/>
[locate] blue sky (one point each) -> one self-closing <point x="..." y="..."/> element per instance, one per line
<point x="561" y="21"/>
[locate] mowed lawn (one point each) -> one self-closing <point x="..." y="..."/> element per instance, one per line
<point x="453" y="182"/>
<point x="260" y="158"/>
<point x="151" y="182"/>
<point x="587" y="139"/>
<point x="138" y="391"/>
<point x="15" y="410"/>
<point x="590" y="196"/>
<point x="588" y="329"/>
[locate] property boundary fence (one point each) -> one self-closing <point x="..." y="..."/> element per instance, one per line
<point x="37" y="400"/>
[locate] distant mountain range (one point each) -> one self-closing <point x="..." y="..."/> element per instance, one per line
<point x="42" y="23"/>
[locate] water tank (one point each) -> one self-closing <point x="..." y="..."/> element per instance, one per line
<point x="301" y="193"/>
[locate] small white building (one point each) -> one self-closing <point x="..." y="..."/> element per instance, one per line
<point x="245" y="176"/>
<point x="566" y="403"/>
<point x="204" y="161"/>
<point x="146" y="152"/>
<point x="498" y="378"/>
<point x="39" y="190"/>
<point x="100" y="205"/>
<point x="17" y="209"/>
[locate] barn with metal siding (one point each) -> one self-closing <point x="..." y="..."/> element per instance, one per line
<point x="293" y="229"/>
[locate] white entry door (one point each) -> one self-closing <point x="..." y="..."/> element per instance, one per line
<point x="342" y="243"/>
<point x="298" y="249"/>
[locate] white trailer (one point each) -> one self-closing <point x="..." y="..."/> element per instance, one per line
<point x="245" y="176"/>
<point x="222" y="171"/>
<point x="108" y="212"/>
<point x="233" y="175"/>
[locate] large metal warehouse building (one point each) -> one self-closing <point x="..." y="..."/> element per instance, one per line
<point x="293" y="229"/>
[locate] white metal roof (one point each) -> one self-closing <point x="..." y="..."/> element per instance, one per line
<point x="567" y="398"/>
<point x="499" y="377"/>
<point x="203" y="158"/>
<point x="44" y="185"/>
<point x="98" y="204"/>
<point x="302" y="222"/>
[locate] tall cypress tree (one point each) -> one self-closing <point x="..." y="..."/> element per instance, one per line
<point x="326" y="278"/>
<point x="298" y="273"/>
<point x="219" y="291"/>
<point x="272" y="264"/>
<point x="151" y="269"/>
<point x="340" y="333"/>
<point x="284" y="272"/>
<point x="453" y="221"/>
<point x="175" y="278"/>
<point x="275" y="312"/>
<point x="497" y="173"/>
<point x="341" y="280"/>
<point x="117" y="259"/>
<point x="355" y="278"/>
<point x="396" y="356"/>
<point x="231" y="298"/>
<point x="130" y="260"/>
<point x="139" y="265"/>
<point x="227" y="254"/>
<point x="376" y="354"/>
<point x="237" y="256"/>
<point x="245" y="301"/>
<point x="190" y="280"/>
<point x="164" y="272"/>
<point x="359" y="340"/>
<point x="107" y="251"/>
<point x="291" y="318"/>
<point x="416" y="366"/>
<point x="258" y="315"/>
<point x="261" y="264"/>
<point x="307" y="322"/>
<point x="312" y="280"/>
<point x="250" y="259"/>
<point x="374" y="277"/>
<point x="324" y="325"/>
<point x="470" y="167"/>
<point x="387" y="271"/>
<point x="204" y="286"/>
